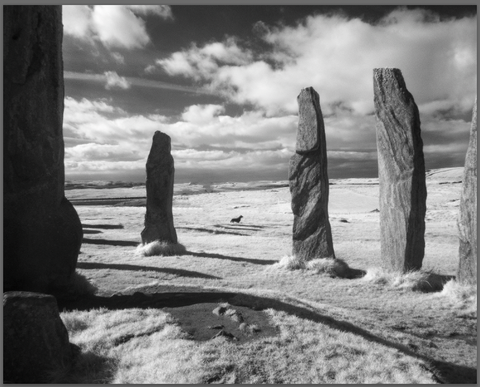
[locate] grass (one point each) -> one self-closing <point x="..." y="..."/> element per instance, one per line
<point x="147" y="346"/>
<point x="463" y="298"/>
<point x="401" y="311"/>
<point x="161" y="248"/>
<point x="421" y="280"/>
<point x="333" y="267"/>
<point x="81" y="286"/>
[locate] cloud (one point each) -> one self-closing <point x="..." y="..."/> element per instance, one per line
<point x="115" y="81"/>
<point x="203" y="62"/>
<point x="115" y="26"/>
<point x="77" y="20"/>
<point x="119" y="58"/>
<point x="141" y="82"/>
<point x="336" y="56"/>
<point x="103" y="140"/>
<point x="163" y="11"/>
<point x="100" y="136"/>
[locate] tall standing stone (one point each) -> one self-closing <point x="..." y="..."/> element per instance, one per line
<point x="42" y="231"/>
<point x="401" y="171"/>
<point x="160" y="176"/>
<point x="308" y="179"/>
<point x="467" y="222"/>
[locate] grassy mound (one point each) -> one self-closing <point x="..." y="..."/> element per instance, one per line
<point x="423" y="281"/>
<point x="333" y="267"/>
<point x="160" y="248"/>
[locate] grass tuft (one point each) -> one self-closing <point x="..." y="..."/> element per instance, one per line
<point x="462" y="296"/>
<point x="420" y="280"/>
<point x="333" y="267"/>
<point x="160" y="248"/>
<point x="81" y="286"/>
<point x="289" y="262"/>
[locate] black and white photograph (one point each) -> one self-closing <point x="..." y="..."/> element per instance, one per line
<point x="240" y="194"/>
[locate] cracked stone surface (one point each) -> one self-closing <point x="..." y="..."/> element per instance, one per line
<point x="43" y="233"/>
<point x="159" y="185"/>
<point x="467" y="221"/>
<point x="308" y="180"/>
<point x="401" y="170"/>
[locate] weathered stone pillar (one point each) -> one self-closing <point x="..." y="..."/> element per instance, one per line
<point x="467" y="222"/>
<point x="35" y="341"/>
<point x="42" y="231"/>
<point x="308" y="178"/>
<point x="160" y="177"/>
<point x="401" y="172"/>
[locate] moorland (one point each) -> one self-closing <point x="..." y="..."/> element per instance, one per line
<point x="234" y="307"/>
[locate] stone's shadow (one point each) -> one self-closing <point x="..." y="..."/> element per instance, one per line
<point x="351" y="273"/>
<point x="179" y="272"/>
<point x="237" y="259"/>
<point x="101" y="369"/>
<point x="92" y="232"/>
<point x="238" y="228"/>
<point x="103" y="226"/>
<point x="109" y="242"/>
<point x="201" y="229"/>
<point x="433" y="283"/>
<point x="443" y="372"/>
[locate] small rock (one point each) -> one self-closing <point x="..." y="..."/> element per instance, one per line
<point x="254" y="328"/>
<point x="234" y="315"/>
<point x="215" y="327"/>
<point x="225" y="334"/>
<point x="219" y="310"/>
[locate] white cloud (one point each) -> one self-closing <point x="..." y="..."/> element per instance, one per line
<point x="203" y="62"/>
<point x="101" y="135"/>
<point x="115" y="81"/>
<point x="163" y="11"/>
<point x="202" y="113"/>
<point x="77" y="20"/>
<point x="337" y="56"/>
<point x="116" y="26"/>
<point x="119" y="58"/>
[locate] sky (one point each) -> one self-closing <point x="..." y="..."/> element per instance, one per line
<point x="223" y="81"/>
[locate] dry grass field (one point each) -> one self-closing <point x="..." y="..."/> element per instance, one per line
<point x="233" y="307"/>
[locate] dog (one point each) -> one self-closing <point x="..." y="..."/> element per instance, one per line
<point x="236" y="220"/>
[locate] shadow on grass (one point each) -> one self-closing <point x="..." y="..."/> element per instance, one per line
<point x="240" y="228"/>
<point x="443" y="372"/>
<point x="210" y="231"/>
<point x="89" y="368"/>
<point x="92" y="232"/>
<point x="179" y="272"/>
<point x="103" y="226"/>
<point x="109" y="242"/>
<point x="236" y="259"/>
<point x="433" y="283"/>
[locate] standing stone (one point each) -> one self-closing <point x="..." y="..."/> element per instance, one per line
<point x="401" y="171"/>
<point x="308" y="179"/>
<point x="467" y="222"/>
<point x="160" y="174"/>
<point x="42" y="231"/>
<point x="35" y="340"/>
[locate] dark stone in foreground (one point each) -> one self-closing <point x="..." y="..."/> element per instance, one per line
<point x="467" y="222"/>
<point x="308" y="178"/>
<point x="35" y="341"/>
<point x="401" y="170"/>
<point x="42" y="231"/>
<point x="160" y="176"/>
